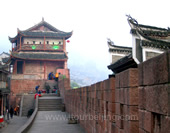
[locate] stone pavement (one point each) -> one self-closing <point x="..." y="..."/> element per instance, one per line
<point x="14" y="124"/>
<point x="49" y="97"/>
<point x="53" y="122"/>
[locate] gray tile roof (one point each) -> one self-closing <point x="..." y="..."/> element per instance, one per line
<point x="54" y="32"/>
<point x="5" y="60"/>
<point x="123" y="64"/>
<point x="40" y="56"/>
<point x="111" y="44"/>
<point x="47" y="34"/>
<point x="156" y="44"/>
<point x="154" y="37"/>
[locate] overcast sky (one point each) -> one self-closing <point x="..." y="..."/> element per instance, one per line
<point x="92" y="21"/>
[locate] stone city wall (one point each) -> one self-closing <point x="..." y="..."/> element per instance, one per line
<point x="135" y="101"/>
<point x="154" y="95"/>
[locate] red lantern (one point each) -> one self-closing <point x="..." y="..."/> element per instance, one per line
<point x="1" y="119"/>
<point x="68" y="41"/>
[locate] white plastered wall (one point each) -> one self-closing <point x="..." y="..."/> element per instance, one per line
<point x="116" y="54"/>
<point x="144" y="50"/>
<point x="38" y="40"/>
<point x="134" y="37"/>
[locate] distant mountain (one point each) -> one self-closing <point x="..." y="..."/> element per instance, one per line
<point x="87" y="72"/>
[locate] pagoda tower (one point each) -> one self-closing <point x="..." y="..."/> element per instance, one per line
<point x="35" y="53"/>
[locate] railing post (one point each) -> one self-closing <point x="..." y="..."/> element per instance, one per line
<point x="20" y="42"/>
<point x="44" y="42"/>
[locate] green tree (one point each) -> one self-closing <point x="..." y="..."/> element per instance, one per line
<point x="74" y="85"/>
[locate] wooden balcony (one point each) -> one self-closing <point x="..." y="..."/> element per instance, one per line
<point x="38" y="47"/>
<point x="2" y="84"/>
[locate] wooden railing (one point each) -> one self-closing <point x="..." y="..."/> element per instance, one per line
<point x="30" y="47"/>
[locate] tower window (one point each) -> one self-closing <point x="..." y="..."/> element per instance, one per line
<point x="40" y="42"/>
<point x="33" y="42"/>
<point x="19" y="67"/>
<point x="47" y="42"/>
<point x="27" y="42"/>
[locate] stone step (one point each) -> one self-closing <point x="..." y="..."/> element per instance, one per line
<point x="49" y="95"/>
<point x="50" y="101"/>
<point x="50" y="98"/>
<point x="49" y="108"/>
<point x="51" y="83"/>
<point x="47" y="102"/>
<point x="49" y="105"/>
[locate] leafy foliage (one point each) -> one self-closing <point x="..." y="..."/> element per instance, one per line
<point x="74" y="85"/>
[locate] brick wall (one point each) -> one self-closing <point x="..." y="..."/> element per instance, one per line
<point x="53" y="66"/>
<point x="64" y="85"/>
<point x="127" y="101"/>
<point x="154" y="95"/>
<point x="34" y="67"/>
<point x="37" y="67"/>
<point x="21" y="86"/>
<point x="93" y="105"/>
<point x="25" y="86"/>
<point x="135" y="101"/>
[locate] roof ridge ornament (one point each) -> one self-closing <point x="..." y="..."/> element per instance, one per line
<point x="109" y="41"/>
<point x="132" y="19"/>
<point x="18" y="30"/>
<point x="43" y="19"/>
<point x="168" y="28"/>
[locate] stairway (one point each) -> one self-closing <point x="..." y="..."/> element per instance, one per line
<point x="49" y="102"/>
<point x="51" y="83"/>
<point x="27" y="103"/>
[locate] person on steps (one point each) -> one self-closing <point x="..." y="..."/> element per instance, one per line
<point x="11" y="111"/>
<point x="51" y="76"/>
<point x="36" y="88"/>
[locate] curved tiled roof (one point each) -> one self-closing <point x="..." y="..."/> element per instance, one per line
<point x="123" y="64"/>
<point x="134" y="22"/>
<point x="111" y="43"/>
<point x="47" y="34"/>
<point x="156" y="43"/>
<point x="43" y="23"/>
<point x="40" y="56"/>
<point x="152" y="36"/>
<point x="33" y="32"/>
<point x="115" y="48"/>
<point x="5" y="60"/>
<point x="59" y="35"/>
<point x="152" y="33"/>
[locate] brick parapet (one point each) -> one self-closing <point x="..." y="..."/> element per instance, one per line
<point x="93" y="105"/>
<point x="154" y="105"/>
<point x="127" y="101"/>
<point x="155" y="71"/>
<point x="136" y="100"/>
